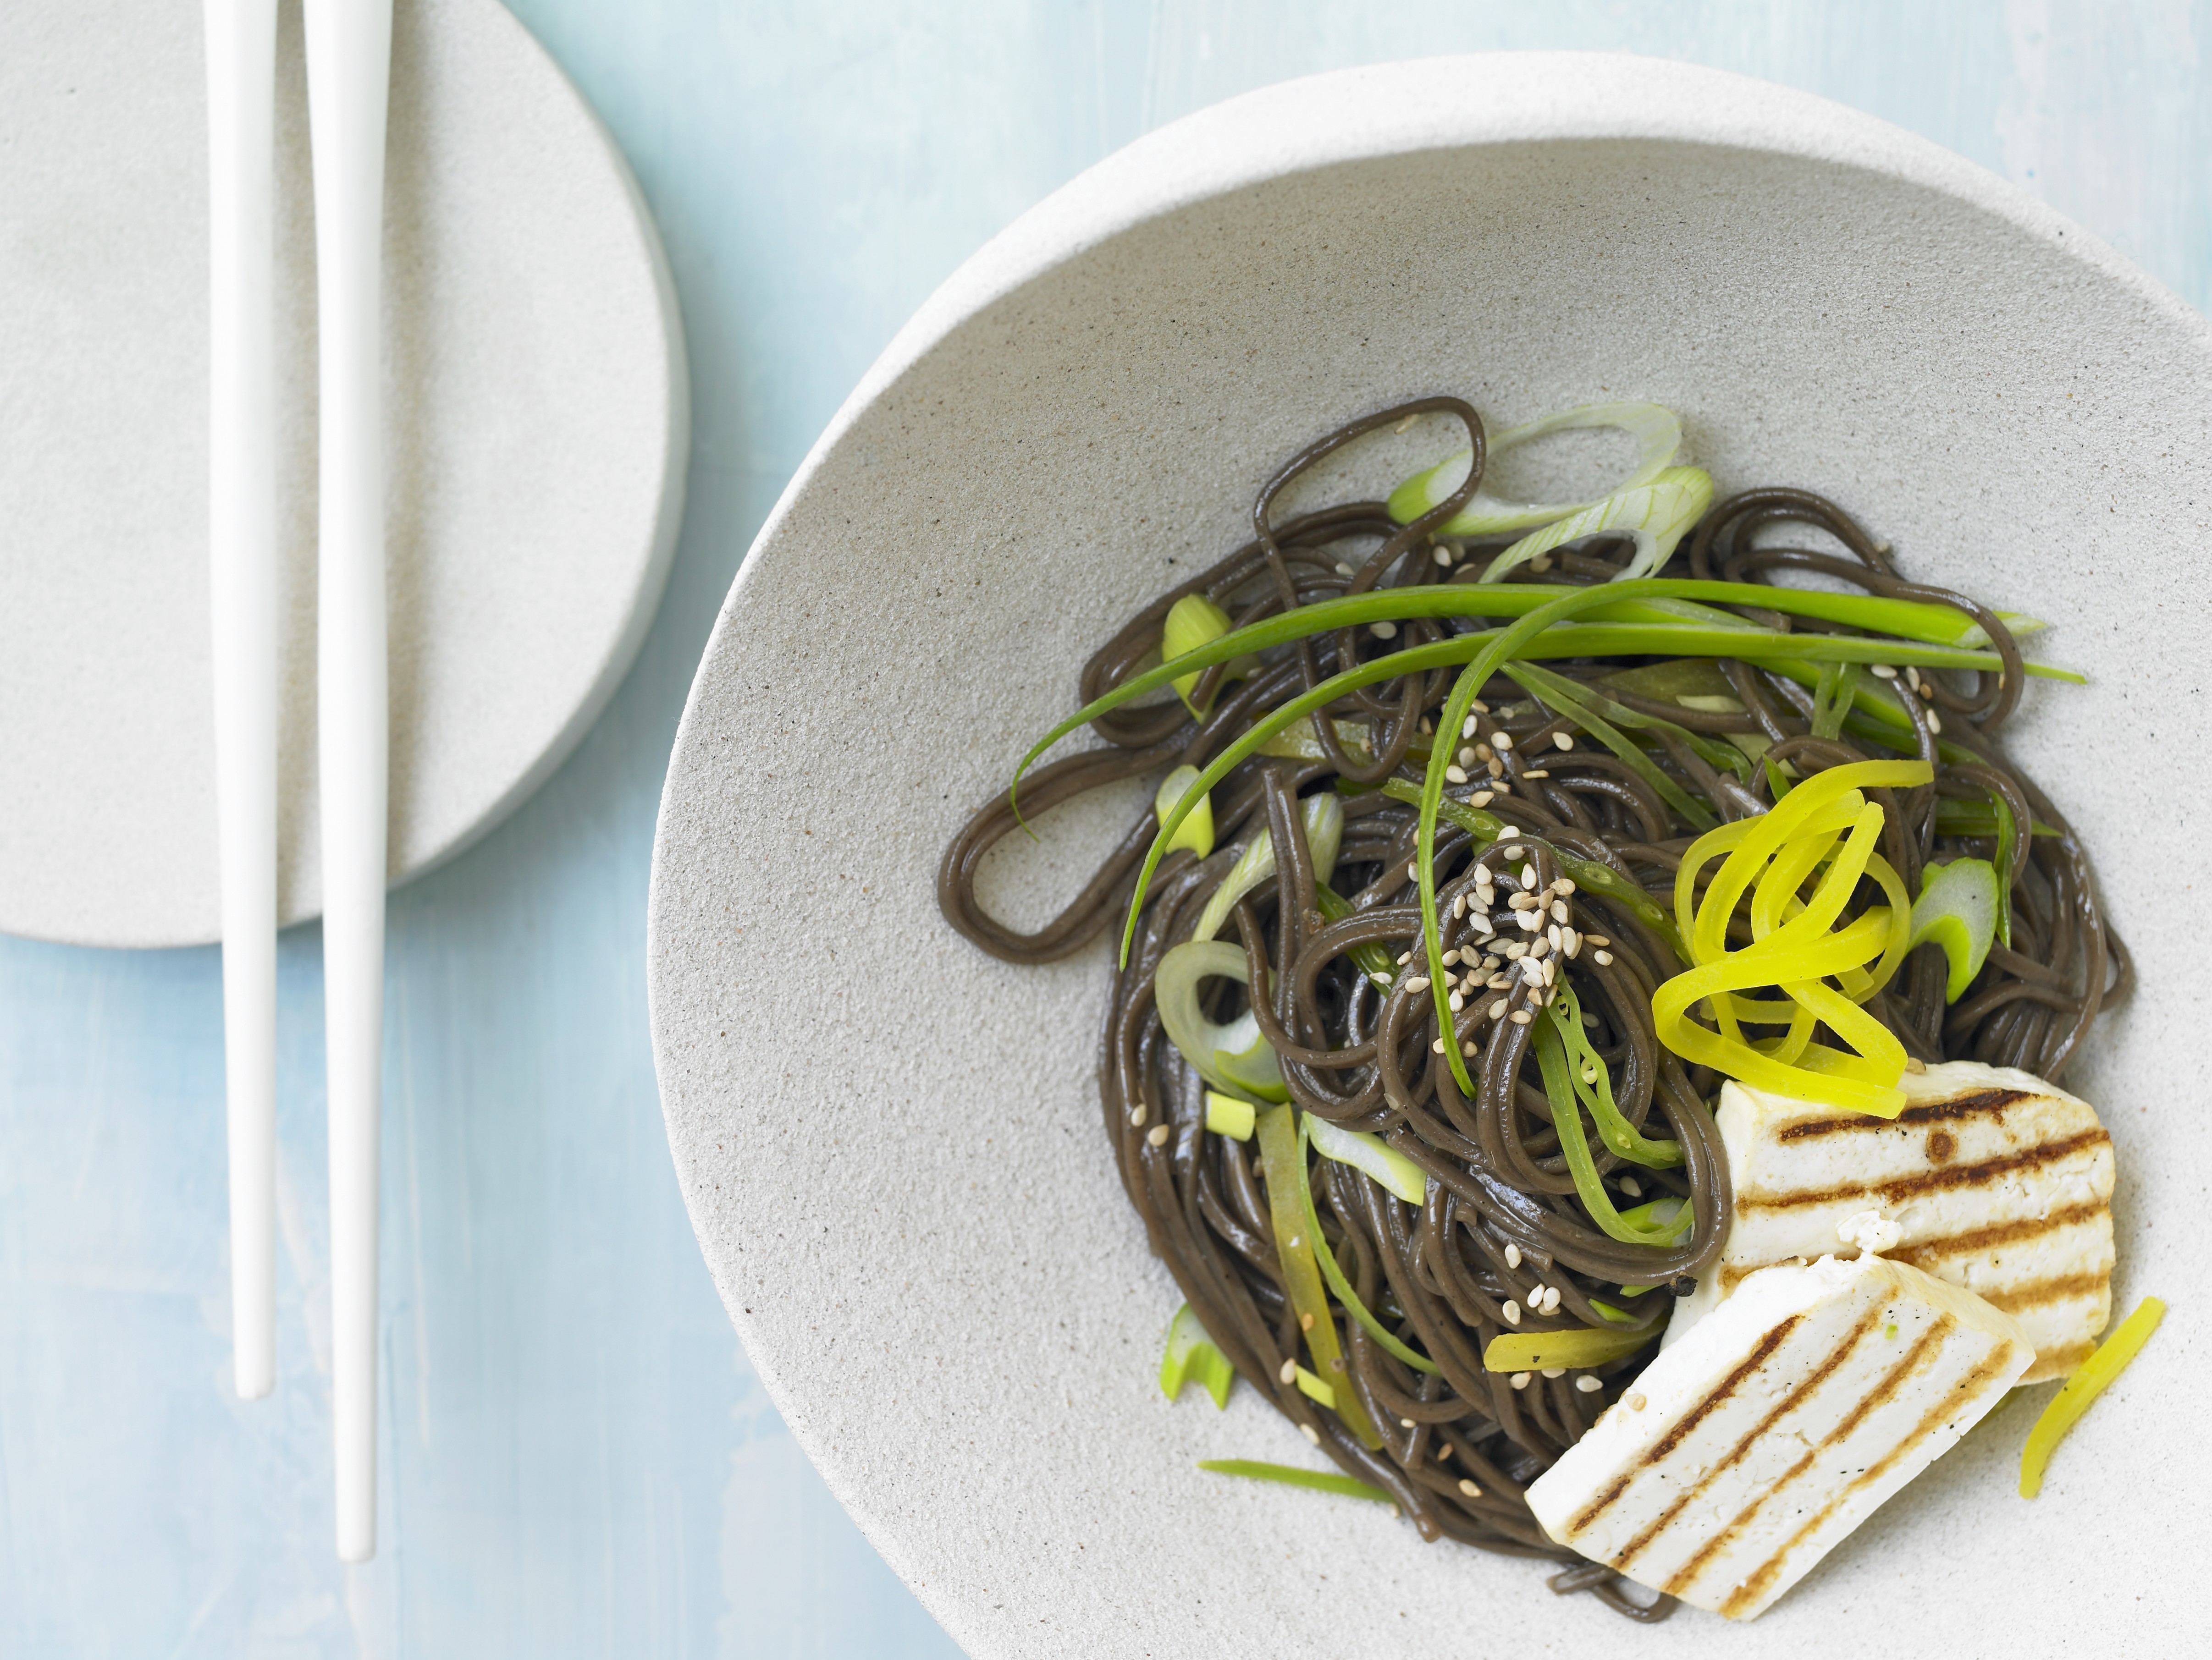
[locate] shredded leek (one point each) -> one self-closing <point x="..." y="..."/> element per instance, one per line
<point x="1191" y="1353"/>
<point x="1313" y="1388"/>
<point x="1957" y="910"/>
<point x="1578" y="1346"/>
<point x="1282" y="1161"/>
<point x="1196" y="830"/>
<point x="1363" y="1151"/>
<point x="1657" y="431"/>
<point x="2090" y="1379"/>
<point x="1227" y="1115"/>
<point x="1192" y="622"/>
<point x="1230" y="1057"/>
<point x="1823" y="821"/>
<point x="1291" y="1477"/>
<point x="1324" y="816"/>
<point x="1331" y="1272"/>
<point x="1656" y="515"/>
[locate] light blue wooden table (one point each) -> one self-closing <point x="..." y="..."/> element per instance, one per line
<point x="577" y="1459"/>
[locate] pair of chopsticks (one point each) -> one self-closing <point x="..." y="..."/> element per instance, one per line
<point x="348" y="73"/>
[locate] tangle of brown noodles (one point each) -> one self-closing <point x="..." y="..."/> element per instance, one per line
<point x="1501" y="1217"/>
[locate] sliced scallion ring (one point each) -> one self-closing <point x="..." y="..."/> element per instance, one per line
<point x="1234" y="1057"/>
<point x="1656" y="514"/>
<point x="1957" y="910"/>
<point x="1369" y="1152"/>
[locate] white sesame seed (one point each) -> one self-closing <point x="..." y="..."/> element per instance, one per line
<point x="1503" y="741"/>
<point x="1551" y="1300"/>
<point x="1554" y="938"/>
<point x="1588" y="1384"/>
<point x="1517" y="950"/>
<point x="1551" y="971"/>
<point x="1532" y="970"/>
<point x="1157" y="1135"/>
<point x="1405" y="1423"/>
<point x="1459" y="906"/>
<point x="1479" y="707"/>
<point x="1564" y="885"/>
<point x="1519" y="1379"/>
<point x="1540" y="564"/>
<point x="1497" y="1009"/>
<point x="1935" y="721"/>
<point x="1289" y="1375"/>
<point x="1470" y="1489"/>
<point x="1412" y="870"/>
<point x="1498" y="786"/>
<point x="1467" y="1048"/>
<point x="1605" y="959"/>
<point x="1555" y="1372"/>
<point x="1469" y="727"/>
<point x="1558" y="909"/>
<point x="1520" y="901"/>
<point x="1310" y="1433"/>
<point x="1527" y="919"/>
<point x="1455" y="1002"/>
<point x="1570" y="942"/>
<point x="1451" y="959"/>
<point x="1437" y="1047"/>
<point x="1342" y="569"/>
<point x="1882" y="671"/>
<point x="1499" y="982"/>
<point x="1521" y="1017"/>
<point x="1636" y="1403"/>
<point x="1383" y="630"/>
<point x="1467" y="757"/>
<point x="1481" y="923"/>
<point x="1540" y="946"/>
<point x="1454" y="775"/>
<point x="1912" y="676"/>
<point x="1404" y="957"/>
<point x="1295" y="1240"/>
<point x="1564" y="740"/>
<point x="1595" y="939"/>
<point x="1482" y="752"/>
<point x="1506" y="832"/>
<point x="1536" y="1294"/>
<point x="1417" y="983"/>
<point x="1511" y="1312"/>
<point x="1632" y="1187"/>
<point x="1442" y="557"/>
<point x="1139" y="1115"/>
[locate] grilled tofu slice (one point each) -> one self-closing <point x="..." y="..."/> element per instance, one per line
<point x="1751" y="1448"/>
<point x="1998" y="1181"/>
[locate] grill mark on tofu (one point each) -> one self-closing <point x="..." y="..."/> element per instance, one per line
<point x="2036" y="1294"/>
<point x="1924" y="1349"/>
<point x="1930" y="1181"/>
<point x="1837" y="1356"/>
<point x="1959" y="1106"/>
<point x="1755" y="1586"/>
<point x="1673" y="1439"/>
<point x="1997" y="1234"/>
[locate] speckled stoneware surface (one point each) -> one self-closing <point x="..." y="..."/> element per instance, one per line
<point x="536" y="418"/>
<point x="890" y="1145"/>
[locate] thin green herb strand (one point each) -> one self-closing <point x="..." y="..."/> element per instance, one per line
<point x="1567" y="1119"/>
<point x="1623" y="1138"/>
<point x="1617" y="714"/>
<point x="1291" y="1476"/>
<point x="1334" y="1275"/>
<point x="1546" y="690"/>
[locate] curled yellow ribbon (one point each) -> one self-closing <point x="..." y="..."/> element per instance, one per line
<point x="1797" y="948"/>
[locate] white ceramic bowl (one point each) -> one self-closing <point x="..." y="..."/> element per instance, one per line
<point x="890" y="1145"/>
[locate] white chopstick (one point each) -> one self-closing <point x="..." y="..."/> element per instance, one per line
<point x="241" y="76"/>
<point x="349" y="74"/>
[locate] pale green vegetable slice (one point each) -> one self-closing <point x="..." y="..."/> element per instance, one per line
<point x="1234" y="1057"/>
<point x="1657" y="515"/>
<point x="1227" y="1115"/>
<point x="1192" y="622"/>
<point x="1371" y="1154"/>
<point x="1657" y="432"/>
<point x="1324" y="816"/>
<point x="1191" y="1354"/>
<point x="1196" y="830"/>
<point x="1957" y="910"/>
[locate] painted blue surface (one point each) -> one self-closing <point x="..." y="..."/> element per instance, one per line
<point x="577" y="1460"/>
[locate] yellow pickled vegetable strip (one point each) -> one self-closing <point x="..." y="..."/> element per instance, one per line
<point x="1280" y="1154"/>
<point x="1824" y="832"/>
<point x="2087" y="1382"/>
<point x="1582" y="1346"/>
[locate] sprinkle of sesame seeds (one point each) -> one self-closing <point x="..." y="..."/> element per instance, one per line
<point x="1499" y="982"/>
<point x="1454" y="775"/>
<point x="1503" y="741"/>
<point x="1404" y="957"/>
<point x="1469" y="727"/>
<point x="1588" y="1384"/>
<point x="1467" y="1048"/>
<point x="1481" y="923"/>
<point x="1497" y="1009"/>
<point x="1520" y="901"/>
<point x="1882" y="671"/>
<point x="1517" y="950"/>
<point x="1554" y="938"/>
<point x="1636" y="1403"/>
<point x="1138" y="1115"/>
<point x="1564" y="885"/>
<point x="1455" y="1002"/>
<point x="1558" y="909"/>
<point x="1632" y="1187"/>
<point x="1532" y="970"/>
<point x="1519" y="1380"/>
<point x="1511" y="1312"/>
<point x="1310" y="1433"/>
<point x="1512" y="1255"/>
<point x="1563" y="740"/>
<point x="1416" y="984"/>
<point x="1443" y="556"/>
<point x="1605" y="959"/>
<point x="1289" y="1375"/>
<point x="1935" y="721"/>
<point x="1157" y="1135"/>
<point x="1470" y="1489"/>
<point x="1527" y="919"/>
<point x="1521" y="1017"/>
<point x="1570" y="942"/>
<point x="1459" y="906"/>
<point x="1551" y="1300"/>
<point x="1555" y="1372"/>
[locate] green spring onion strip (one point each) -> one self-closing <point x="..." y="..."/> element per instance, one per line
<point x="1334" y="1275"/>
<point x="1373" y="959"/>
<point x="1957" y="910"/>
<point x="1599" y="879"/>
<point x="1543" y="685"/>
<point x="1622" y="1139"/>
<point x="1553" y="689"/>
<point x="1191" y="1353"/>
<point x="1324" y="817"/>
<point x="1291" y="1477"/>
<point x="1834" y="693"/>
<point x="1298" y="1244"/>
<point x="1566" y="1092"/>
<point x="1313" y="1388"/>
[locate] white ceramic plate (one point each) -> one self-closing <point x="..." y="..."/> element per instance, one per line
<point x="537" y="421"/>
<point x="890" y="1145"/>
